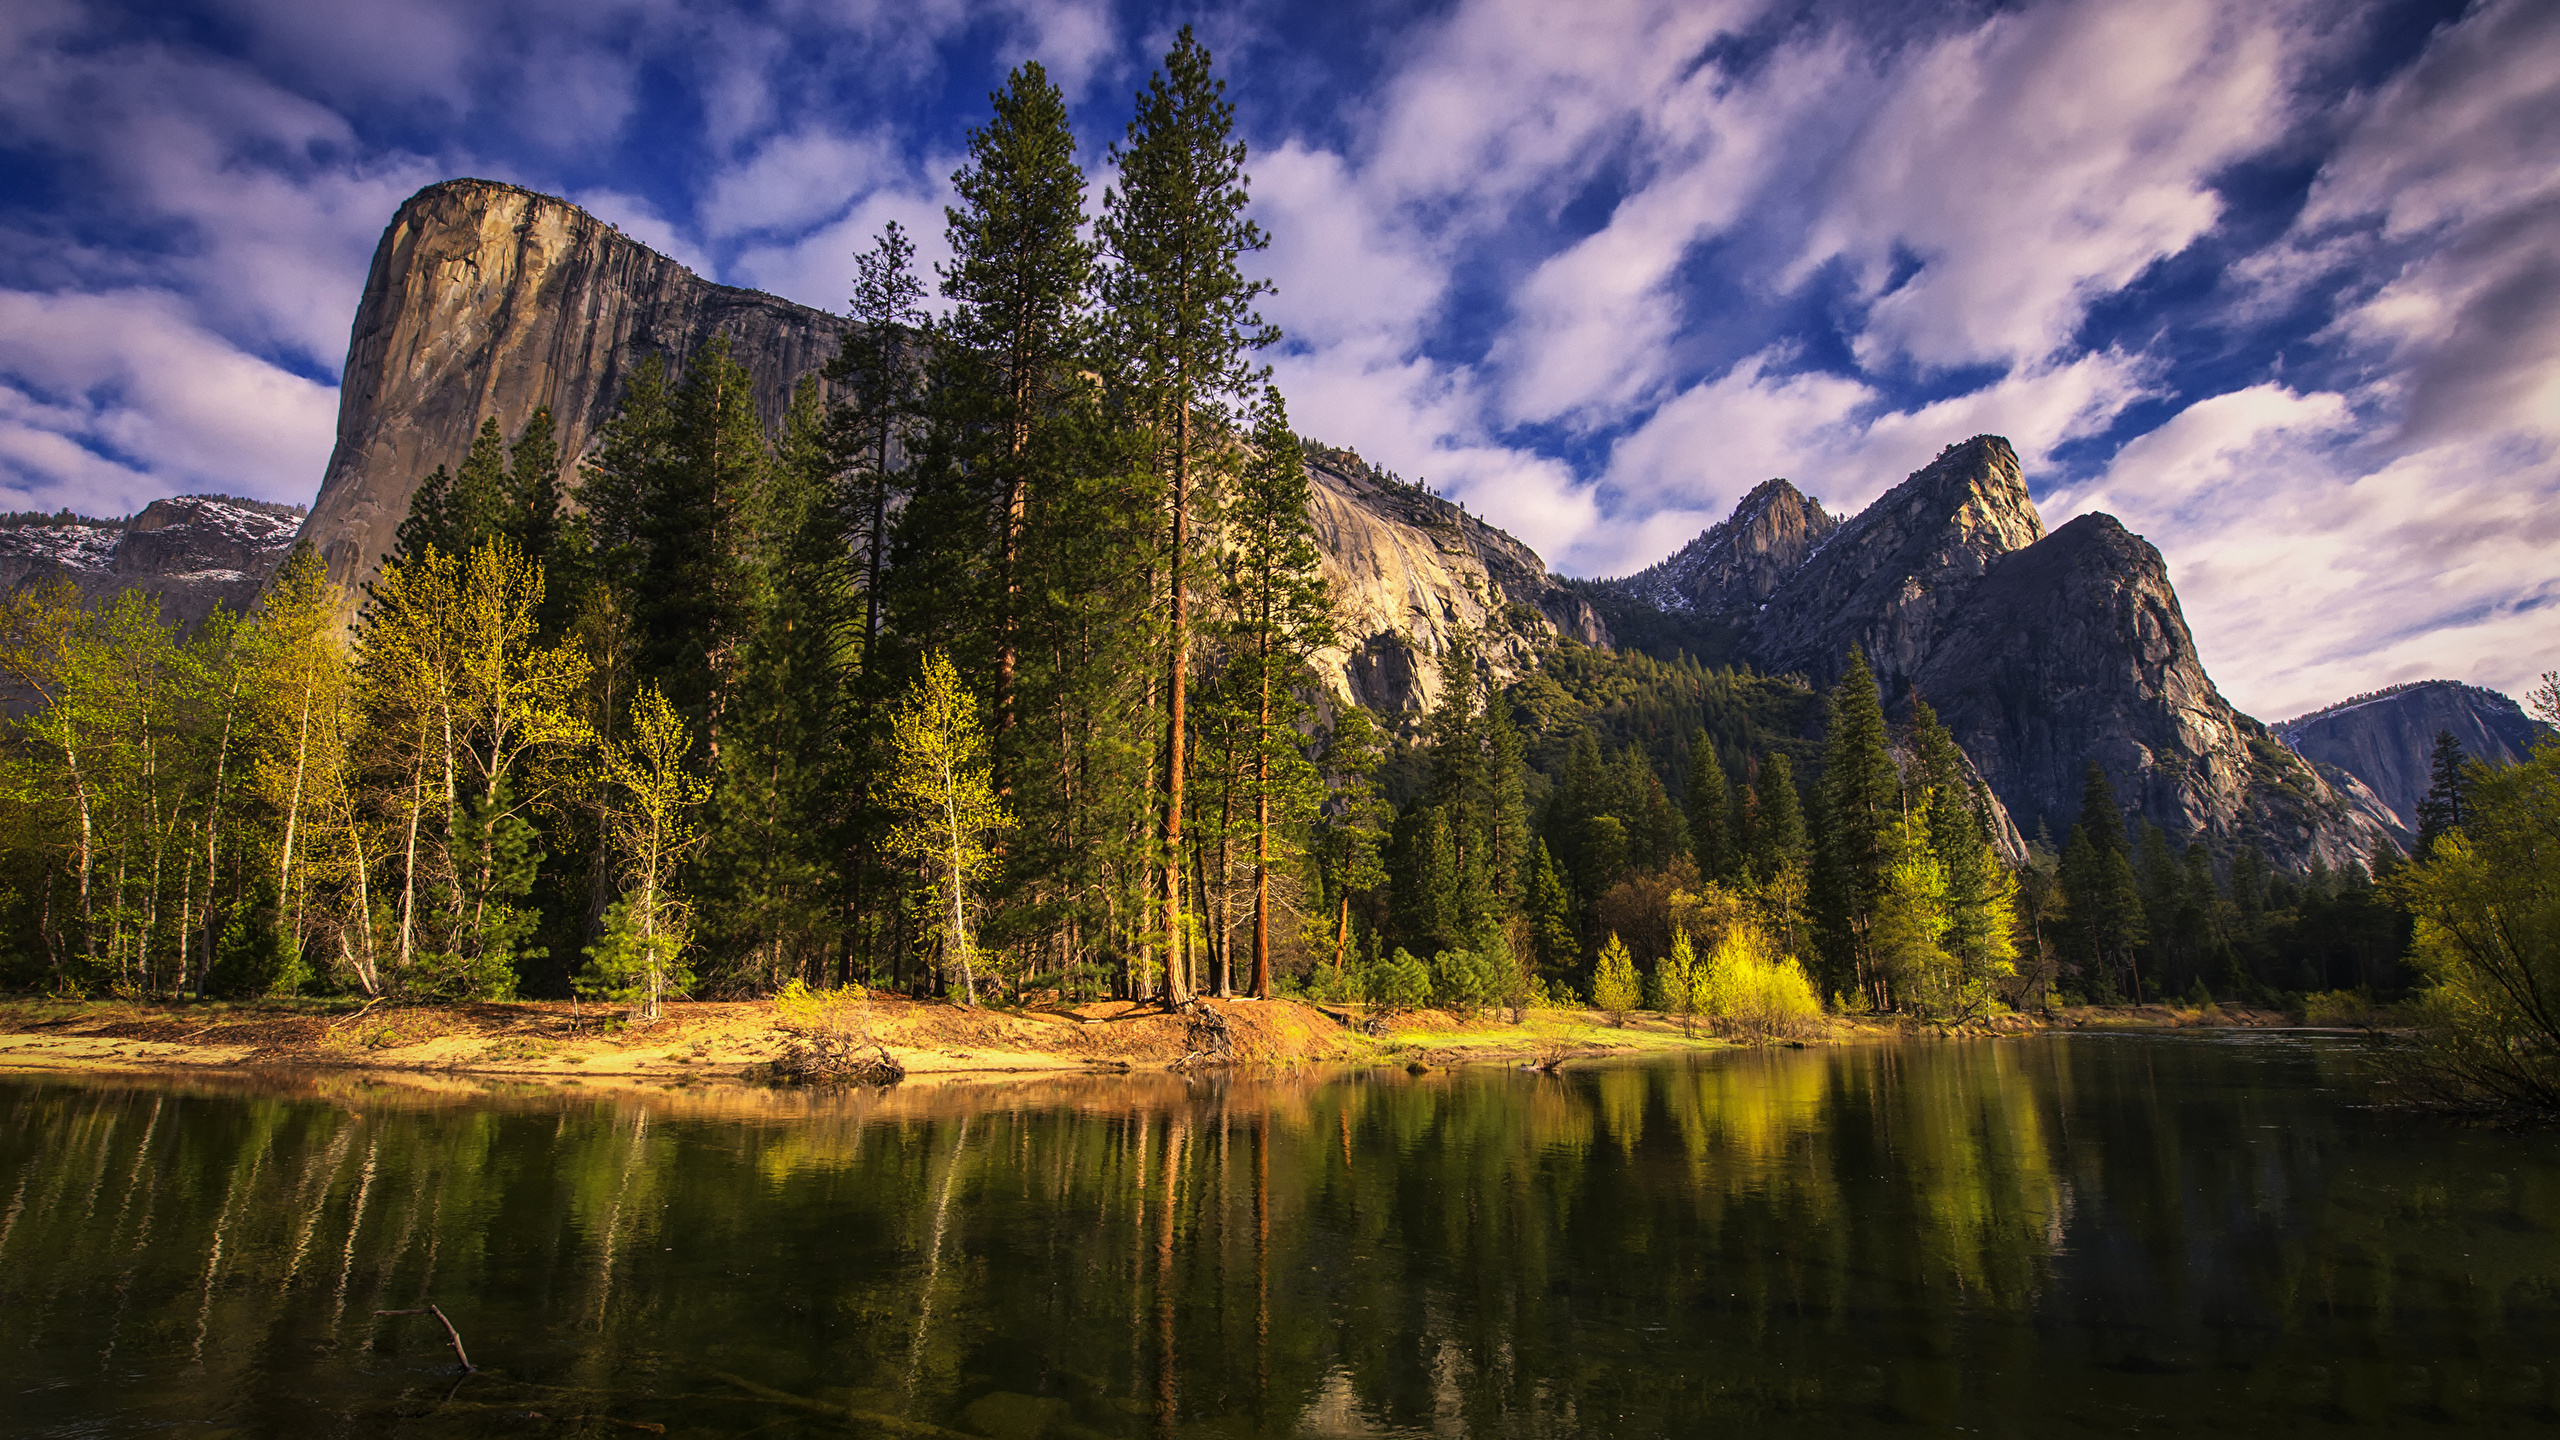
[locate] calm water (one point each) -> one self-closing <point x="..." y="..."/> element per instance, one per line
<point x="2062" y="1235"/>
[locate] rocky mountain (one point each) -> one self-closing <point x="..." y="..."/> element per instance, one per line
<point x="190" y="553"/>
<point x="2386" y="739"/>
<point x="1735" y="567"/>
<point x="485" y="299"/>
<point x="2039" y="652"/>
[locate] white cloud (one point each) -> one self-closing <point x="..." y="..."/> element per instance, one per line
<point x="797" y="180"/>
<point x="2042" y="160"/>
<point x="109" y="401"/>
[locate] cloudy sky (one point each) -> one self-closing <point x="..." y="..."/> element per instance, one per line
<point x="2276" y="283"/>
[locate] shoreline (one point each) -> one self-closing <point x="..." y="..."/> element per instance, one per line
<point x="738" y="1042"/>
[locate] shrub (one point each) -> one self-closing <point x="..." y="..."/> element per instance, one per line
<point x="1467" y="980"/>
<point x="2487" y="902"/>
<point x="1753" y="992"/>
<point x="1614" y="987"/>
<point x="1399" y="982"/>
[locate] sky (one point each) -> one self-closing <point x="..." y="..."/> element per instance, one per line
<point x="2276" y="284"/>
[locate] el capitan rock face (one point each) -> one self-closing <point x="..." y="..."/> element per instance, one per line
<point x="489" y="300"/>
<point x="2387" y="739"/>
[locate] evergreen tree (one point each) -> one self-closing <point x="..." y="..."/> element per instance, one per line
<point x="2448" y="791"/>
<point x="1283" y="615"/>
<point x="766" y="890"/>
<point x="1708" y="802"/>
<point x="2099" y="887"/>
<point x="533" y="517"/>
<point x="1778" y="838"/>
<point x="1861" y="801"/>
<point x="1353" y="830"/>
<point x="481" y="490"/>
<point x="429" y="524"/>
<point x="1550" y="915"/>
<point x="875" y="368"/>
<point x="693" y="603"/>
<point x="1019" y="281"/>
<point x="1182" y="328"/>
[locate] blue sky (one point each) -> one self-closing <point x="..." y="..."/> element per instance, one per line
<point x="2276" y="283"/>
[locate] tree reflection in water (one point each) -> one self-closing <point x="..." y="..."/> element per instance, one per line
<point x="2015" y="1236"/>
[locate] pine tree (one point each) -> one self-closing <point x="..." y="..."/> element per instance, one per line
<point x="876" y="369"/>
<point x="1019" y="281"/>
<point x="1550" y="915"/>
<point x="2448" y="791"/>
<point x="1283" y="615"/>
<point x="693" y="604"/>
<point x="1708" y="801"/>
<point x="2099" y="888"/>
<point x="1182" y="328"/>
<point x="1353" y="830"/>
<point x="1778" y="838"/>
<point x="533" y="491"/>
<point x="767" y="875"/>
<point x="481" y="490"/>
<point x="1861" y="803"/>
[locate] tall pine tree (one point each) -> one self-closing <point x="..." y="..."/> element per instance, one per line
<point x="1183" y="330"/>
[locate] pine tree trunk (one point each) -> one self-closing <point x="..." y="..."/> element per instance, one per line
<point x="1177" y="989"/>
<point x="1262" y="835"/>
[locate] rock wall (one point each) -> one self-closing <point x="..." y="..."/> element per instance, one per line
<point x="486" y="299"/>
<point x="2387" y="740"/>
<point x="1410" y="572"/>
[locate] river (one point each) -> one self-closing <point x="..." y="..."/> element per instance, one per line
<point x="2066" y="1234"/>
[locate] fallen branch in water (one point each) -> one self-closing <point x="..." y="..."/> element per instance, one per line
<point x="458" y="1353"/>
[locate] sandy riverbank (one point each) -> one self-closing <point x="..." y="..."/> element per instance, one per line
<point x="701" y="1041"/>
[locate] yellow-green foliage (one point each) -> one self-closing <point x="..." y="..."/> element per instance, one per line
<point x="943" y="792"/>
<point x="1754" y="992"/>
<point x="2487" y="900"/>
<point x="844" y="1011"/>
<point x="1614" y="987"/>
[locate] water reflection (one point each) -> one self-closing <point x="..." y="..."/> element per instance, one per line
<point x="2092" y="1233"/>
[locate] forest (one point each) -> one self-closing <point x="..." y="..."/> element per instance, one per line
<point x="989" y="676"/>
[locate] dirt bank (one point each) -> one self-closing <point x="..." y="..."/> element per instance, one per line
<point x="715" y="1040"/>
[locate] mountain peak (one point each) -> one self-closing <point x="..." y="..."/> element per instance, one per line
<point x="1880" y="580"/>
<point x="1738" y="563"/>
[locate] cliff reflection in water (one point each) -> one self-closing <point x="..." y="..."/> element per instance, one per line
<point x="2016" y="1236"/>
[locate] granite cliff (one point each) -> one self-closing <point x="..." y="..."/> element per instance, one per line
<point x="2387" y="739"/>
<point x="489" y="300"/>
<point x="189" y="552"/>
<point x="1410" y="571"/>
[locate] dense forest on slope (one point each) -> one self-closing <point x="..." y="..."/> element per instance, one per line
<point x="989" y="675"/>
